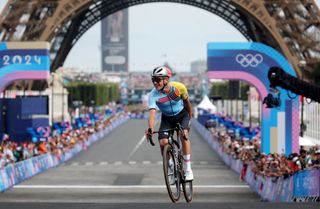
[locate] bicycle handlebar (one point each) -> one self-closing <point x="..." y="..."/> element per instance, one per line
<point x="177" y="128"/>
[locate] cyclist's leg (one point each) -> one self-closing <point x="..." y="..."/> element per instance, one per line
<point x="186" y="145"/>
<point x="163" y="141"/>
<point x="184" y="121"/>
<point x="163" y="136"/>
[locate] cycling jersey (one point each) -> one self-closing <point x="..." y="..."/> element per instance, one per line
<point x="169" y="104"/>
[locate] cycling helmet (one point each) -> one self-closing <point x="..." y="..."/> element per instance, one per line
<point x="161" y="71"/>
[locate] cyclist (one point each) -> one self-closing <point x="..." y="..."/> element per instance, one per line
<point x="172" y="100"/>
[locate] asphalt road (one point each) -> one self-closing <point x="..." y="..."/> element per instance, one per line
<point x="123" y="171"/>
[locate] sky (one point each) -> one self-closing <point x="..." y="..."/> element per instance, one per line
<point x="158" y="33"/>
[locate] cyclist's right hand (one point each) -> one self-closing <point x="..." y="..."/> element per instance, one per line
<point x="149" y="133"/>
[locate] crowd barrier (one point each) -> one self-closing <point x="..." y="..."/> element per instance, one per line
<point x="143" y="116"/>
<point x="302" y="186"/>
<point x="16" y="173"/>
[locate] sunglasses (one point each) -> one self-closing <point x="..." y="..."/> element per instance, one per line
<point x="156" y="79"/>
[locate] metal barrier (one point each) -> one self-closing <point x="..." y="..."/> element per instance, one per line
<point x="16" y="173"/>
<point x="302" y="186"/>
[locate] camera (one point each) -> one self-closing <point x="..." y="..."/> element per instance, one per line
<point x="272" y="99"/>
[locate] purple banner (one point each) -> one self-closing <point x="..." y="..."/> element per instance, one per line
<point x="306" y="183"/>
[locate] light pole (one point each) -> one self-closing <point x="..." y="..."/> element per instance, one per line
<point x="302" y="65"/>
<point x="62" y="105"/>
<point x="93" y="106"/>
<point x="249" y="107"/>
<point x="52" y="95"/>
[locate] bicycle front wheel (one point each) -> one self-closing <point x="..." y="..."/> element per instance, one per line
<point x="171" y="174"/>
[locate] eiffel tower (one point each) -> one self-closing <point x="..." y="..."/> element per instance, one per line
<point x="290" y="26"/>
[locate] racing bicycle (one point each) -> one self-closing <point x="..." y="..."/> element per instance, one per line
<point x="174" y="173"/>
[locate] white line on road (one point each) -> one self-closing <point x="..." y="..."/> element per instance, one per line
<point x="89" y="163"/>
<point x="138" y="145"/>
<point x="103" y="163"/>
<point x="75" y="164"/>
<point x="121" y="187"/>
<point x="118" y="163"/>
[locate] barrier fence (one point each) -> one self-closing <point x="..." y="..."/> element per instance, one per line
<point x="302" y="186"/>
<point x="16" y="173"/>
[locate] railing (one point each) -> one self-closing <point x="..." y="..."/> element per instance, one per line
<point x="302" y="186"/>
<point x="14" y="174"/>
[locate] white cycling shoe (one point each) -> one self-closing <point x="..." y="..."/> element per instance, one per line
<point x="188" y="175"/>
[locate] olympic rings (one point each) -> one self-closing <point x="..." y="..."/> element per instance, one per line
<point x="249" y="60"/>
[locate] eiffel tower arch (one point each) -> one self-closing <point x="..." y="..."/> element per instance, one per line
<point x="291" y="27"/>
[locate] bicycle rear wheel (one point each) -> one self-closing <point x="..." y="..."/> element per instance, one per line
<point x="173" y="187"/>
<point x="187" y="190"/>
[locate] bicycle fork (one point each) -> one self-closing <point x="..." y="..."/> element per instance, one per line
<point x="178" y="158"/>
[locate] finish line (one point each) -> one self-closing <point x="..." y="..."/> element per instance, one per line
<point x="122" y="187"/>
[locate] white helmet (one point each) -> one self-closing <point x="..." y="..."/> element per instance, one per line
<point x="161" y="71"/>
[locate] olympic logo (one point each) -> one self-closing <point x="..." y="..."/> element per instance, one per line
<point x="249" y="60"/>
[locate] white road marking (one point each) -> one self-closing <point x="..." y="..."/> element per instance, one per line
<point x="89" y="163"/>
<point x="138" y="145"/>
<point x="103" y="163"/>
<point x="121" y="187"/>
<point x="75" y="164"/>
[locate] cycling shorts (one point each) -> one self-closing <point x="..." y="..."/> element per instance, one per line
<point x="168" y="122"/>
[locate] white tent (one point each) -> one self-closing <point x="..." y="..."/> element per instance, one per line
<point x="206" y="104"/>
<point x="306" y="141"/>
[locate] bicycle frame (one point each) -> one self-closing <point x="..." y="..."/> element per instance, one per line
<point x="175" y="146"/>
<point x="175" y="143"/>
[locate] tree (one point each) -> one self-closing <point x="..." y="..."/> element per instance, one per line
<point x="100" y="93"/>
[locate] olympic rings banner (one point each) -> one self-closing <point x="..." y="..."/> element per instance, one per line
<point x="251" y="62"/>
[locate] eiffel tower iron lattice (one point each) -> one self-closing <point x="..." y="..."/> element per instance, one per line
<point x="291" y="27"/>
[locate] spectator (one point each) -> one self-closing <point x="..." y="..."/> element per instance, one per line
<point x="305" y="159"/>
<point x="2" y="161"/>
<point x="316" y="160"/>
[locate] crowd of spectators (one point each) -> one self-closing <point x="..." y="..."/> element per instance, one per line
<point x="270" y="165"/>
<point x="57" y="143"/>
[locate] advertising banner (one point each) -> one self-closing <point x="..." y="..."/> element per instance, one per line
<point x="285" y="190"/>
<point x="114" y="42"/>
<point x="3" y="176"/>
<point x="20" y="173"/>
<point x="251" y="62"/>
<point x="306" y="183"/>
<point x="23" y="61"/>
